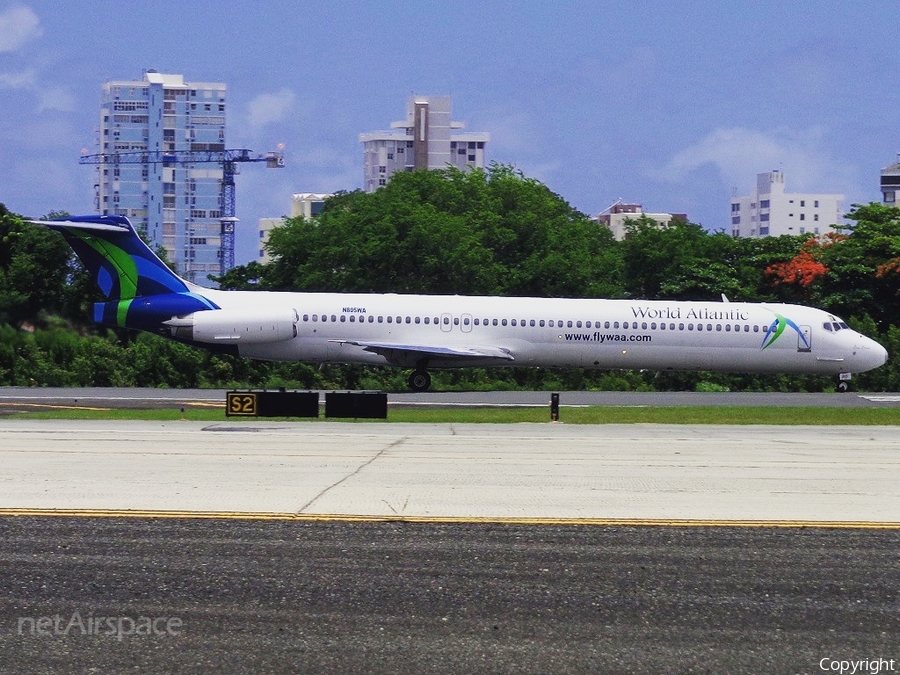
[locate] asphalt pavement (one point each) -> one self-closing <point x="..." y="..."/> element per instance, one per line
<point x="243" y="596"/>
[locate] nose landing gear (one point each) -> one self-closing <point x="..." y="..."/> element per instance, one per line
<point x="843" y="385"/>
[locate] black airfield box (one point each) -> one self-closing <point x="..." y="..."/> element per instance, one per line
<point x="272" y="404"/>
<point x="356" y="404"/>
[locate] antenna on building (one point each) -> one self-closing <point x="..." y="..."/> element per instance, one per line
<point x="609" y="208"/>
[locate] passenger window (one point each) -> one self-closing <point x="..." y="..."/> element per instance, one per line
<point x="315" y="317"/>
<point x="371" y="319"/>
<point x="699" y="326"/>
<point x="503" y="322"/>
<point x="550" y="323"/>
<point x="353" y="318"/>
<point x="541" y="323"/>
<point x="409" y="319"/>
<point x="333" y="318"/>
<point x="512" y="322"/>
<point x="306" y="317"/>
<point x="569" y="324"/>
<point x="531" y="323"/>
<point x="578" y="324"/>
<point x="681" y="326"/>
<point x="427" y="320"/>
<point x="380" y="319"/>
<point x="615" y="324"/>
<point x="644" y="325"/>
<point x="343" y="318"/>
<point x="709" y="327"/>
<point x="690" y="326"/>
<point x="446" y="320"/>
<point x="606" y="325"/>
<point x="418" y="320"/>
<point x="390" y="319"/>
<point x="455" y="320"/>
<point x="653" y="325"/>
<point x="494" y="322"/>
<point x="727" y="327"/>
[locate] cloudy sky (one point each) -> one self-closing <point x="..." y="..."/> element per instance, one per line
<point x="674" y="105"/>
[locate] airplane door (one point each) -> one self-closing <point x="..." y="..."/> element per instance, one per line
<point x="804" y="339"/>
<point x="466" y="324"/>
<point x="446" y="323"/>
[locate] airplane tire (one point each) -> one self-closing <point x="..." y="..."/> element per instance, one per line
<point x="843" y="386"/>
<point x="419" y="380"/>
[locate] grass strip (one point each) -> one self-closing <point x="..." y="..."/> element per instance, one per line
<point x="512" y="415"/>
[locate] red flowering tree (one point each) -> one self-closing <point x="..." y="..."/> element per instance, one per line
<point x="806" y="268"/>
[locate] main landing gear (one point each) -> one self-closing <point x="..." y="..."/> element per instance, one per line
<point x="419" y="380"/>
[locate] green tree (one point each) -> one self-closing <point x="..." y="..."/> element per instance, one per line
<point x="35" y="265"/>
<point x="863" y="275"/>
<point x="481" y="232"/>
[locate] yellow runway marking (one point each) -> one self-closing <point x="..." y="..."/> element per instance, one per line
<point x="462" y="520"/>
<point x="51" y="406"/>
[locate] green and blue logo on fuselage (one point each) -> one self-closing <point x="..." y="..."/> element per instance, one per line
<point x="777" y="328"/>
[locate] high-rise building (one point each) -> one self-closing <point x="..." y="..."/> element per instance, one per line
<point x="890" y="183"/>
<point x="178" y="205"/>
<point x="427" y="139"/>
<point x="770" y="211"/>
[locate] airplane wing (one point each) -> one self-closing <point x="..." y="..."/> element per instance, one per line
<point x="394" y="351"/>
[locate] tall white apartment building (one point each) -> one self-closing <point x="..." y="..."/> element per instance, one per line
<point x="771" y="212"/>
<point x="427" y="139"/>
<point x="890" y="184"/>
<point x="177" y="205"/>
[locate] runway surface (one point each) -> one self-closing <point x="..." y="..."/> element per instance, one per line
<point x="391" y="548"/>
<point x="528" y="471"/>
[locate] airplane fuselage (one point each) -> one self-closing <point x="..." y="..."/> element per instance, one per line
<point x="551" y="332"/>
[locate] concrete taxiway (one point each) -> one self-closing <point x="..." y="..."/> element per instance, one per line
<point x="848" y="475"/>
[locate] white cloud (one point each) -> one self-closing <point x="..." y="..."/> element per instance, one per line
<point x="739" y="154"/>
<point x="23" y="80"/>
<point x="270" y="108"/>
<point x="18" y="25"/>
<point x="56" y="99"/>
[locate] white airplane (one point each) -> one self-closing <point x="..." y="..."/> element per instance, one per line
<point x="423" y="332"/>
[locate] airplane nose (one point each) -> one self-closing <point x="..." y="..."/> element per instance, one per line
<point x="870" y="355"/>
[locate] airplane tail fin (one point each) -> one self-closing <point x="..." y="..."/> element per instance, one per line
<point x="141" y="291"/>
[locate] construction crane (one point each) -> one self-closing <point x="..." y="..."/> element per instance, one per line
<point x="229" y="160"/>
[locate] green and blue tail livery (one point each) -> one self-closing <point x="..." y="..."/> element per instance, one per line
<point x="141" y="291"/>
